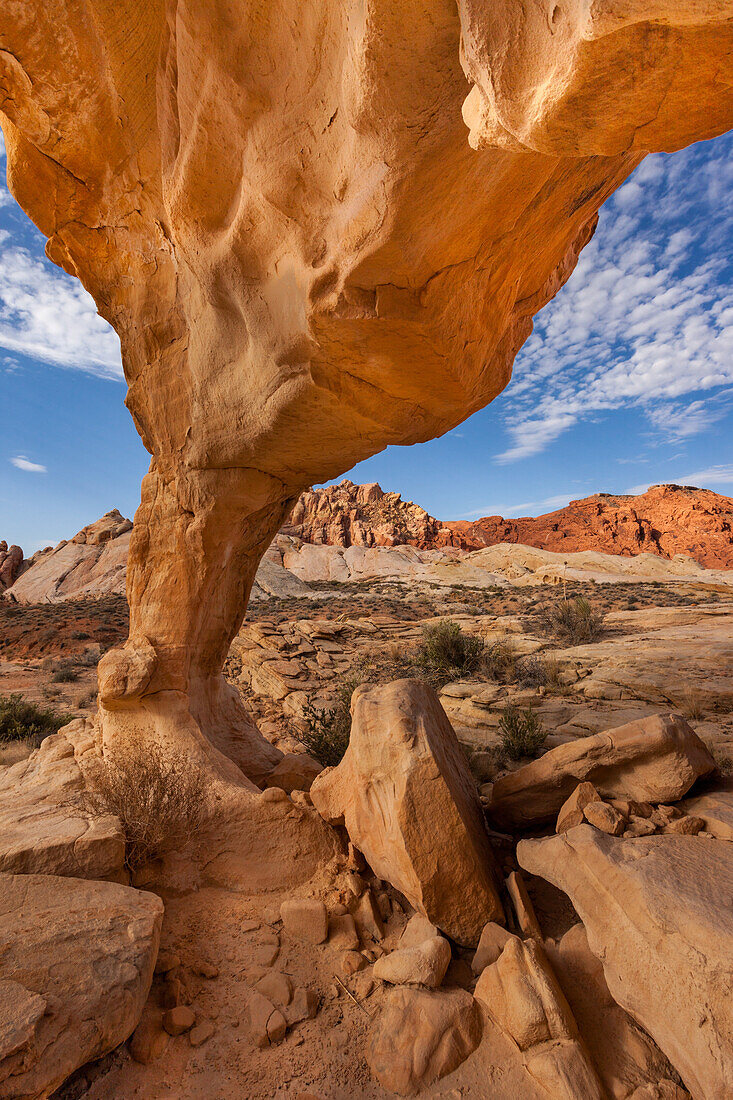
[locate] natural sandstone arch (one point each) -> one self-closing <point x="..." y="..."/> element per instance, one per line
<point x="319" y="227"/>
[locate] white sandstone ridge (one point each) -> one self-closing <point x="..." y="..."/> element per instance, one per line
<point x="93" y="563"/>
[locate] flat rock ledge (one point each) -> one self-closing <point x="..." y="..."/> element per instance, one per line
<point x="77" y="964"/>
<point x="658" y="915"/>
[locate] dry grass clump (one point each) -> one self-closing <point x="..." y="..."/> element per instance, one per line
<point x="574" y="621"/>
<point x="499" y="663"/>
<point x="446" y="653"/>
<point x="161" y="798"/>
<point x="521" y="732"/>
<point x="693" y="704"/>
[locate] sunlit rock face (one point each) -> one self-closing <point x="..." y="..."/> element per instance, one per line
<point x="318" y="229"/>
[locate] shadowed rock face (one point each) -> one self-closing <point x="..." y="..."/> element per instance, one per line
<point x="318" y="230"/>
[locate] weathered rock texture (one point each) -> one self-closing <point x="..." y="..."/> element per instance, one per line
<point x="409" y="803"/>
<point x="361" y="515"/>
<point x="314" y="242"/>
<point x="666" y="520"/>
<point x="651" y="760"/>
<point x="11" y="560"/>
<point x="77" y="965"/>
<point x="657" y="915"/>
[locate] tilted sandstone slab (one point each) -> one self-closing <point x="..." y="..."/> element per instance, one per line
<point x="653" y="760"/>
<point x="77" y="964"/>
<point x="658" y="915"/>
<point x="43" y="827"/>
<point x="421" y="1036"/>
<point x="716" y="809"/>
<point x="409" y="803"/>
<point x="522" y="995"/>
<point x="314" y="242"/>
<point x="625" y="1057"/>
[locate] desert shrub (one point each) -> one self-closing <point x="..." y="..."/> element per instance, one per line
<point x="161" y="798"/>
<point x="65" y="674"/>
<point x="536" y="672"/>
<point x="327" y="736"/>
<point x="574" y="621"/>
<point x="446" y="652"/>
<point x="499" y="662"/>
<point x="521" y="732"/>
<point x="79" y="635"/>
<point x="24" y="721"/>
<point x="692" y="704"/>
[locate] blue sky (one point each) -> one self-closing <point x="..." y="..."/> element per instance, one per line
<point x="627" y="380"/>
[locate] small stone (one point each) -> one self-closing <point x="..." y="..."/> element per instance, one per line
<point x="685" y="826"/>
<point x="639" y="826"/>
<point x="384" y="905"/>
<point x="173" y="993"/>
<point x="206" y="969"/>
<point x="250" y="925"/>
<point x="356" y="860"/>
<point x="571" y="813"/>
<point x="260" y="1010"/>
<point x="276" y="1027"/>
<point x="604" y="817"/>
<point x="303" y="1006"/>
<point x="274" y="794"/>
<point x="302" y="799"/>
<point x="178" y="1020"/>
<point x="276" y="987"/>
<point x="342" y="932"/>
<point x="367" y="917"/>
<point x="523" y="907"/>
<point x="417" y="930"/>
<point x="201" y="1033"/>
<point x="662" y="815"/>
<point x="148" y="1040"/>
<point x="425" y="964"/>
<point x="264" y="953"/>
<point x="490" y="946"/>
<point x="354" y="883"/>
<point x="305" y="919"/>
<point x="167" y="960"/>
<point x="351" y="962"/>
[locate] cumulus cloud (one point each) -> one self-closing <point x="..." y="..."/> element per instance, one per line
<point x="23" y="463"/>
<point x="647" y="317"/>
<point x="46" y="314"/>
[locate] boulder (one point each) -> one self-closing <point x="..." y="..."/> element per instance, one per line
<point x="295" y="772"/>
<point x="43" y="827"/>
<point x="571" y="812"/>
<point x="77" y="964"/>
<point x="490" y="946"/>
<point x="604" y="817"/>
<point x="424" y="964"/>
<point x="625" y="1057"/>
<point x="522" y="995"/>
<point x="409" y="803"/>
<point x="420" y="1036"/>
<point x="305" y="919"/>
<point x="654" y="759"/>
<point x="416" y="931"/>
<point x="657" y="915"/>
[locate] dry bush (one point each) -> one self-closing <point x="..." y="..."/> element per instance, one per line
<point x="447" y="653"/>
<point x="161" y="798"/>
<point x="574" y="621"/>
<point x="692" y="704"/>
<point x="500" y="663"/>
<point x="521" y="732"/>
<point x="24" y="721"/>
<point x="536" y="672"/>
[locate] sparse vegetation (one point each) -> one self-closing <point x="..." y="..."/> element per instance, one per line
<point x="521" y="732"/>
<point x="21" y="720"/>
<point x="499" y="663"/>
<point x="446" y="652"/>
<point x="536" y="672"/>
<point x="161" y="798"/>
<point x="327" y="736"/>
<point x="65" y="673"/>
<point x="574" y="621"/>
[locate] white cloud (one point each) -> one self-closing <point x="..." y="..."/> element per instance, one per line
<point x="23" y="463"/>
<point x="647" y="317"/>
<point x="46" y="314"/>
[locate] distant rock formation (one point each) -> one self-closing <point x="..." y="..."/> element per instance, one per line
<point x="666" y="520"/>
<point x="361" y="515"/>
<point x="11" y="560"/>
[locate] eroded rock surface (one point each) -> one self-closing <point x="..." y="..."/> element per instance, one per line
<point x="410" y="805"/>
<point x="77" y="964"/>
<point x="657" y="915"/>
<point x="653" y="760"/>
<point x="44" y="828"/>
<point x="311" y="259"/>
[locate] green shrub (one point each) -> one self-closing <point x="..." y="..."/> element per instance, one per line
<point x="447" y="653"/>
<point x="521" y="732"/>
<point x="24" y="721"/>
<point x="574" y="621"/>
<point x="327" y="736"/>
